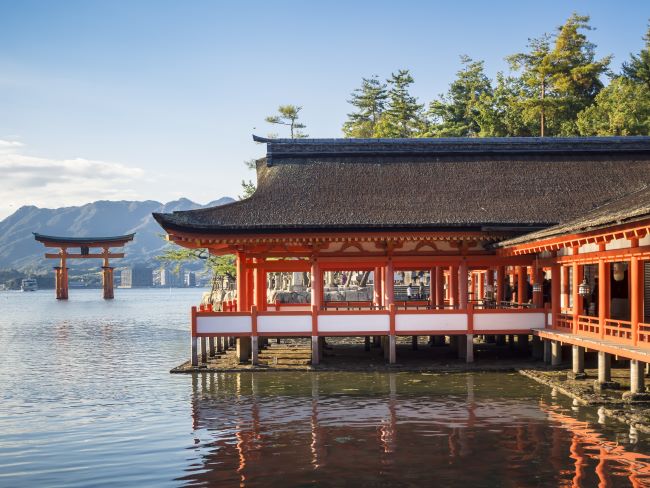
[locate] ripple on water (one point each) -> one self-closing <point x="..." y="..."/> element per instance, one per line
<point x="86" y="400"/>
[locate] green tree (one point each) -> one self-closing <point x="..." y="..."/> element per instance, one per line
<point x="537" y="69"/>
<point x="499" y="112"/>
<point x="370" y="102"/>
<point x="638" y="67"/>
<point x="219" y="265"/>
<point x="288" y="115"/>
<point x="403" y="114"/>
<point x="562" y="81"/>
<point x="456" y="114"/>
<point x="620" y="109"/>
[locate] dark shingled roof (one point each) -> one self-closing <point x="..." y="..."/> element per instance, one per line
<point x="628" y="208"/>
<point x="82" y="240"/>
<point x="519" y="184"/>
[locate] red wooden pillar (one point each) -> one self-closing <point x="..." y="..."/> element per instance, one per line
<point x="577" y="299"/>
<point x="316" y="285"/>
<point x="389" y="284"/>
<point x="433" y="287"/>
<point x="453" y="286"/>
<point x="636" y="296"/>
<point x="259" y="277"/>
<point x="521" y="284"/>
<point x="555" y="293"/>
<point x="536" y="275"/>
<point x="107" y="282"/>
<point x="500" y="291"/>
<point x="242" y="287"/>
<point x="603" y="294"/>
<point x="474" y="281"/>
<point x="481" y="286"/>
<point x="565" y="286"/>
<point x="440" y="287"/>
<point x="377" y="293"/>
<point x="462" y="285"/>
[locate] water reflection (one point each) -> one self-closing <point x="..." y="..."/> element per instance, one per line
<point x="398" y="430"/>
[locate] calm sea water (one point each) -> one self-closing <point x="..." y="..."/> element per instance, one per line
<point x="86" y="400"/>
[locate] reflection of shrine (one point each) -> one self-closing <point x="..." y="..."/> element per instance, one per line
<point x="261" y="434"/>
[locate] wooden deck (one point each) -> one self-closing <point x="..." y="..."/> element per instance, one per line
<point x="596" y="344"/>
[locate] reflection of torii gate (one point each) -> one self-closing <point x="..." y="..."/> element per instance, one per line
<point x="84" y="244"/>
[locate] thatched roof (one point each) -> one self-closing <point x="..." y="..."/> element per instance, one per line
<point x="632" y="207"/>
<point x="518" y="184"/>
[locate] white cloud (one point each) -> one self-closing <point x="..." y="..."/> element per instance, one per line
<point x="45" y="182"/>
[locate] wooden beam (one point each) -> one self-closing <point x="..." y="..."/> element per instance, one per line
<point x="115" y="255"/>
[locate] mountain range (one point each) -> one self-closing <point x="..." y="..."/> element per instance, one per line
<point x="19" y="250"/>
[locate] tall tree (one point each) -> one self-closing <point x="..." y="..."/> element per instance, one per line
<point x="456" y="114"/>
<point x="621" y="109"/>
<point x="288" y="115"/>
<point x="370" y="102"/>
<point x="576" y="81"/>
<point x="563" y="80"/>
<point x="403" y="115"/>
<point x="537" y="69"/>
<point x="638" y="67"/>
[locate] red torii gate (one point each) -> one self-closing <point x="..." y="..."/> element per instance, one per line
<point x="84" y="244"/>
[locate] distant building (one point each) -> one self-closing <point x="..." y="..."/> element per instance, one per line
<point x="139" y="276"/>
<point x="189" y="279"/>
<point x="171" y="278"/>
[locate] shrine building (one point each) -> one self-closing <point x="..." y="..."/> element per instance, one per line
<point x="540" y="237"/>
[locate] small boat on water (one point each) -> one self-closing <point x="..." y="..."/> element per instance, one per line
<point x="29" y="284"/>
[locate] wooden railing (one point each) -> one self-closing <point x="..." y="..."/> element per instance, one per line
<point x="564" y="322"/>
<point x="619" y="330"/>
<point x="643" y="335"/>
<point x="588" y="325"/>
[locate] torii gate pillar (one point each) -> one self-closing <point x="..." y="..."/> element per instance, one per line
<point x="107" y="281"/>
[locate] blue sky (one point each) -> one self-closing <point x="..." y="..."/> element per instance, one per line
<point x="158" y="99"/>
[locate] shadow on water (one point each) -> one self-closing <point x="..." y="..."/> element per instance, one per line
<point x="403" y="429"/>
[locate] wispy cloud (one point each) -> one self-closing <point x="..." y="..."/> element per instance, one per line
<point x="46" y="182"/>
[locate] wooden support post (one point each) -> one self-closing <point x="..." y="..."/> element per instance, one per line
<point x="555" y="294"/>
<point x="242" y="287"/>
<point x="578" y="360"/>
<point x="636" y="294"/>
<point x="603" y="295"/>
<point x="433" y="288"/>
<point x="604" y="367"/>
<point x="500" y="295"/>
<point x="453" y="286"/>
<point x="576" y="298"/>
<point x="547" y="351"/>
<point x="392" y="339"/>
<point x="376" y="288"/>
<point x="194" y="356"/>
<point x="521" y="284"/>
<point x="204" y="350"/>
<point x="469" y="348"/>
<point x="211" y="349"/>
<point x="440" y="287"/>
<point x="390" y="284"/>
<point x="564" y="301"/>
<point x="315" y="343"/>
<point x="366" y="343"/>
<point x="637" y="379"/>
<point x="556" y="353"/>
<point x="255" y="350"/>
<point x="414" y="343"/>
<point x="462" y="285"/>
<point x="243" y="349"/>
